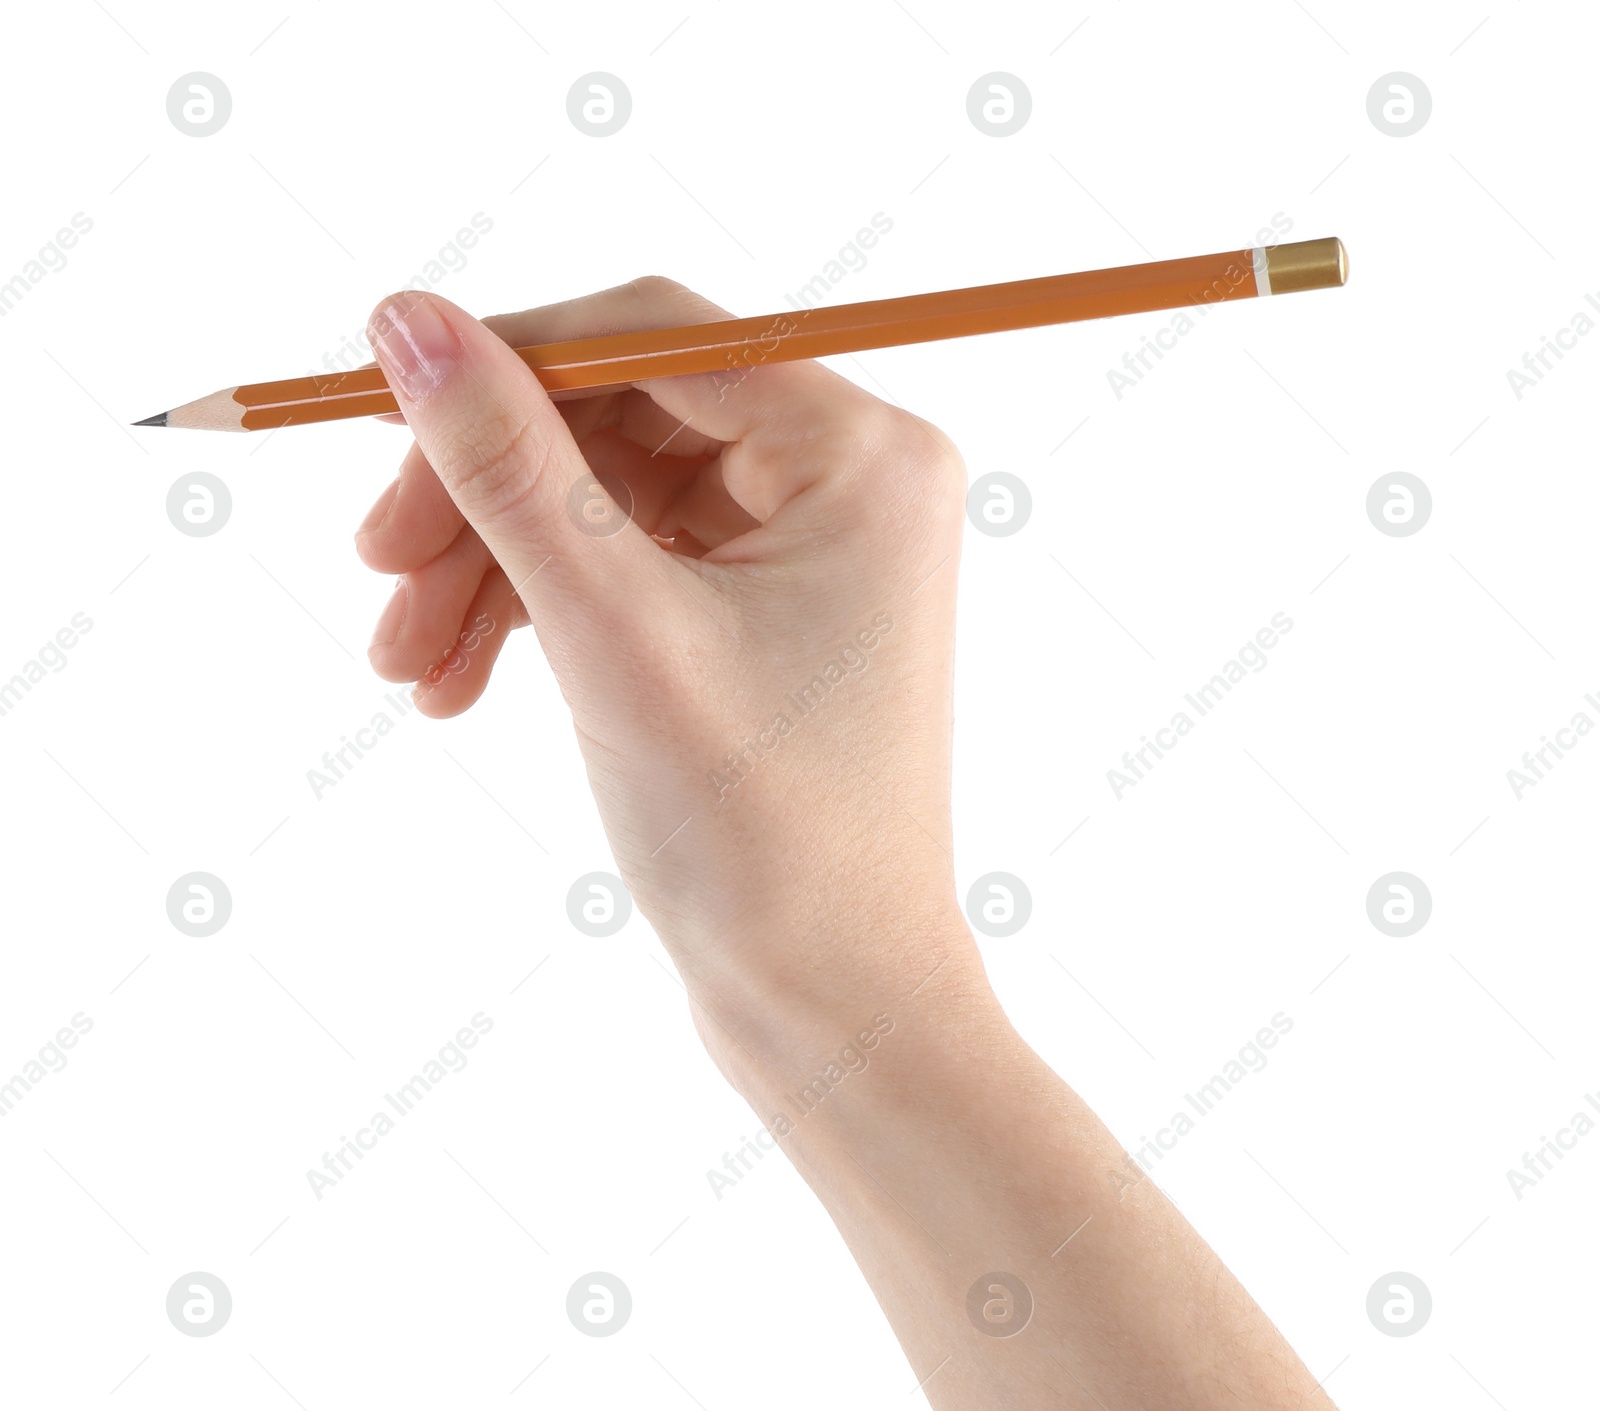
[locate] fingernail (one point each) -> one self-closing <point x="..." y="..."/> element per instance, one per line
<point x="380" y="511"/>
<point x="394" y="614"/>
<point x="415" y="345"/>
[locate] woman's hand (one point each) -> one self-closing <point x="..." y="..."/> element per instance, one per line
<point x="745" y="583"/>
<point x="757" y="654"/>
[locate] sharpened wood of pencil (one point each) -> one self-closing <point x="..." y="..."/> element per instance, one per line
<point x="733" y="346"/>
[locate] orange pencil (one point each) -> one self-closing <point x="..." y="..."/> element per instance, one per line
<point x="732" y="346"/>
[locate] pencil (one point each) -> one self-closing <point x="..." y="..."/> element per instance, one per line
<point x="733" y="346"/>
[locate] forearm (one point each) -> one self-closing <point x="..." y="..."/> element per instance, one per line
<point x="766" y="715"/>
<point x="945" y="1151"/>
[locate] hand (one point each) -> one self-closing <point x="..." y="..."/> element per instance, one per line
<point x="757" y="656"/>
<point x="745" y="584"/>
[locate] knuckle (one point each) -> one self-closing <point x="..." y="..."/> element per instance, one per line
<point x="911" y="468"/>
<point x="946" y="467"/>
<point x="904" y="437"/>
<point x="499" y="468"/>
<point x="939" y="446"/>
<point x="655" y="288"/>
<point x="656" y="297"/>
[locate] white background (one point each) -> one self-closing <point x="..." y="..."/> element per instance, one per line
<point x="1228" y="485"/>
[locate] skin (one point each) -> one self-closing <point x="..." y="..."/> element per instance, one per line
<point x="781" y="520"/>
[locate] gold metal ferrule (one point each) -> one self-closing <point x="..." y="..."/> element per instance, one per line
<point x="1307" y="264"/>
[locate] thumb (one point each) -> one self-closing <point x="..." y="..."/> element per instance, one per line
<point x="508" y="460"/>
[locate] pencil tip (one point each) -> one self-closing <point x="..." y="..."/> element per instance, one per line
<point x="159" y="419"/>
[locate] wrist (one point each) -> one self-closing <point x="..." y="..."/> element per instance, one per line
<point x="836" y="992"/>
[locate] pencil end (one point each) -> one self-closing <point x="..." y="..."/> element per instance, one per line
<point x="1341" y="262"/>
<point x="1308" y="264"/>
<point x="159" y="419"/>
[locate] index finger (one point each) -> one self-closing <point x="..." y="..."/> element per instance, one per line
<point x="768" y="410"/>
